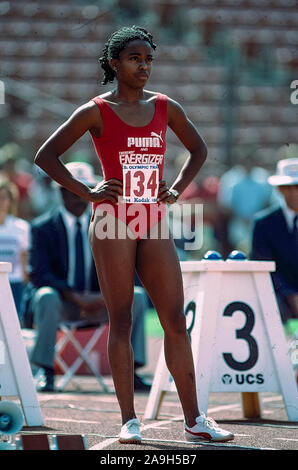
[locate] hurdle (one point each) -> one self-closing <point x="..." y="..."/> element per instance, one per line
<point x="15" y="372"/>
<point x="236" y="334"/>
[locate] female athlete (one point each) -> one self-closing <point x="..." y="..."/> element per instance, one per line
<point x="128" y="126"/>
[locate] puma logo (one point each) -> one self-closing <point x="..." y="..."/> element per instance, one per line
<point x="154" y="141"/>
<point x="153" y="134"/>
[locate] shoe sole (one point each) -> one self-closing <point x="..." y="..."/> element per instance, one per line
<point x="129" y="441"/>
<point x="209" y="439"/>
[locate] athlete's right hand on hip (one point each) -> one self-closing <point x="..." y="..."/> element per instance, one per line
<point x="107" y="191"/>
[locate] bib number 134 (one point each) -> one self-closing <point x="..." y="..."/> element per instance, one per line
<point x="140" y="183"/>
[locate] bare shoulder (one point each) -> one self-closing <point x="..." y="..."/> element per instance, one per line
<point x="175" y="111"/>
<point x="90" y="114"/>
<point x="87" y="111"/>
<point x="107" y="97"/>
<point x="174" y="106"/>
<point x="89" y="108"/>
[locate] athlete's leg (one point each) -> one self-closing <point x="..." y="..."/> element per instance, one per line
<point x="159" y="270"/>
<point x="115" y="265"/>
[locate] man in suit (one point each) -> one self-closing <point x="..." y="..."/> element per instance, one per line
<point x="64" y="279"/>
<point x="275" y="237"/>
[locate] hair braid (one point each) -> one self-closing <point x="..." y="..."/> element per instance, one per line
<point x="116" y="43"/>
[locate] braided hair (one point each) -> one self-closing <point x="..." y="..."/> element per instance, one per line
<point x="116" y="43"/>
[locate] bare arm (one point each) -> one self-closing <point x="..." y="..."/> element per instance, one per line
<point x="24" y="258"/>
<point x="192" y="141"/>
<point x="85" y="118"/>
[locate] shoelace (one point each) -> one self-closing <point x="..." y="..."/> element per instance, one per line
<point x="134" y="427"/>
<point x="209" y="422"/>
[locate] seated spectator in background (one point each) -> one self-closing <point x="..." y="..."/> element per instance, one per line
<point x="275" y="237"/>
<point x="11" y="161"/>
<point x="14" y="240"/>
<point x="63" y="279"/>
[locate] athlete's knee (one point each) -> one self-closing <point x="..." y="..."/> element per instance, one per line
<point x="175" y="324"/>
<point x="121" y="323"/>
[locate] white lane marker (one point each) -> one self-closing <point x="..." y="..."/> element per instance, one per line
<point x="107" y="442"/>
<point x="215" y="409"/>
<point x="205" y="443"/>
<point x="104" y="444"/>
<point x="67" y="420"/>
<point x="284" y="439"/>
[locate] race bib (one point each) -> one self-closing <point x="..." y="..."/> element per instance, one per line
<point x="140" y="183"/>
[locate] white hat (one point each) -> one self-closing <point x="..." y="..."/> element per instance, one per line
<point x="286" y="173"/>
<point x="83" y="172"/>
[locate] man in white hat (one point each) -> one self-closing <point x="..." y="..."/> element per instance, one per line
<point x="275" y="237"/>
<point x="64" y="284"/>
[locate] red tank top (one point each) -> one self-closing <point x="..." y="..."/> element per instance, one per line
<point x="121" y="143"/>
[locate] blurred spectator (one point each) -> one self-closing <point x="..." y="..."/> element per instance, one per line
<point x="14" y="240"/>
<point x="209" y="188"/>
<point x="227" y="182"/>
<point x="243" y="191"/>
<point x="251" y="193"/>
<point x="10" y="162"/>
<point x="216" y="216"/>
<point x="275" y="237"/>
<point x="215" y="220"/>
<point x="198" y="233"/>
<point x="43" y="193"/>
<point x="64" y="283"/>
<point x="191" y="193"/>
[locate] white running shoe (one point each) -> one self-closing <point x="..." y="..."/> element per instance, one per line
<point x="130" y="432"/>
<point x="206" y="428"/>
